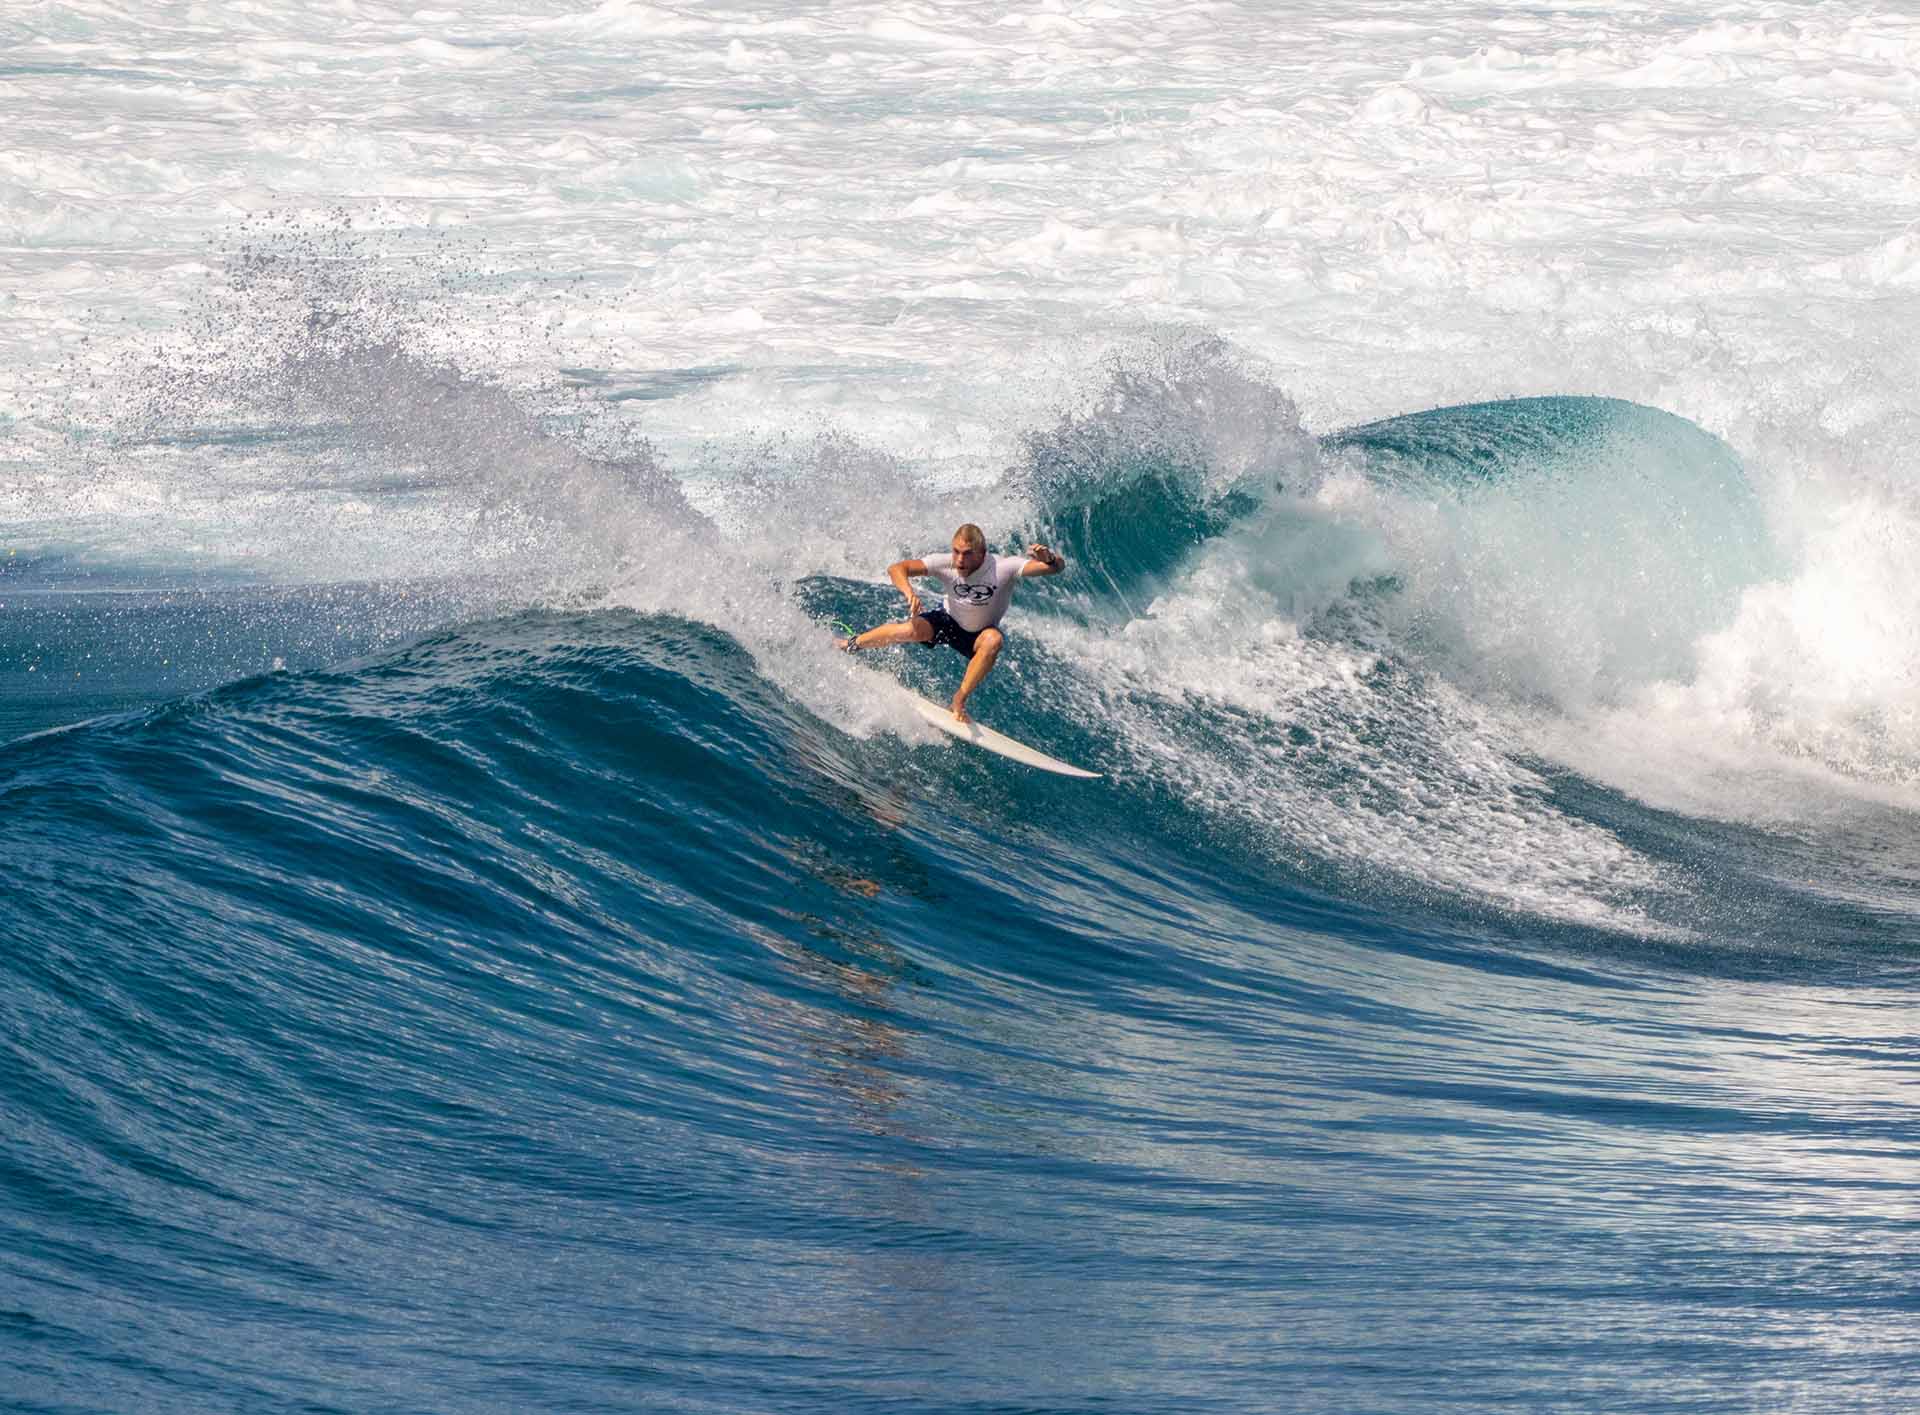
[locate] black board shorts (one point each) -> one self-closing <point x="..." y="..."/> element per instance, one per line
<point x="947" y="630"/>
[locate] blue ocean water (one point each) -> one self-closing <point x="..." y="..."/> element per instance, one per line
<point x="469" y="943"/>
<point x="413" y="1001"/>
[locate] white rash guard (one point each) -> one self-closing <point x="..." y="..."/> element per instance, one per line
<point x="980" y="600"/>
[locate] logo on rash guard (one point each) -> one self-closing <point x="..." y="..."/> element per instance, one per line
<point x="973" y="594"/>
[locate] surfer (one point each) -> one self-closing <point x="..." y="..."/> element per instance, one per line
<point x="979" y="588"/>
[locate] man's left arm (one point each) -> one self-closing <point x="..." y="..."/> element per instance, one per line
<point x="1041" y="561"/>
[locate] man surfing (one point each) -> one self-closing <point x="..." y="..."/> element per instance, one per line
<point x="979" y="589"/>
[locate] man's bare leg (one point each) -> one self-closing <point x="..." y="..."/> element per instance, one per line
<point x="986" y="649"/>
<point x="908" y="631"/>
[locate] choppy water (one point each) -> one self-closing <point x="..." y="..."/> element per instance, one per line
<point x="471" y="944"/>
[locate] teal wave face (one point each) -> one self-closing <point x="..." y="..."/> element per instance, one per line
<point x="1568" y="547"/>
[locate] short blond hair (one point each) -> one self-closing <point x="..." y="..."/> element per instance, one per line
<point x="975" y="538"/>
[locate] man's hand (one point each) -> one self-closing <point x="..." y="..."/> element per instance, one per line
<point x="1050" y="563"/>
<point x="913" y="605"/>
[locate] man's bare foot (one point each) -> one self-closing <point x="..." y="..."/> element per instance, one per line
<point x="845" y="645"/>
<point x="960" y="711"/>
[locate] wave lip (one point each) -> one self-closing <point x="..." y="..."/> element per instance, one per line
<point x="1182" y="441"/>
<point x="1569" y="548"/>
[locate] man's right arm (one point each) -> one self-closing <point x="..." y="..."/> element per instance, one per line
<point x="901" y="572"/>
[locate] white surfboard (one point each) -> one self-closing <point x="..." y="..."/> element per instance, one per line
<point x="979" y="736"/>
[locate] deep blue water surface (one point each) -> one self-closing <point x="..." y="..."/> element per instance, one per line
<point x="544" y="1011"/>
